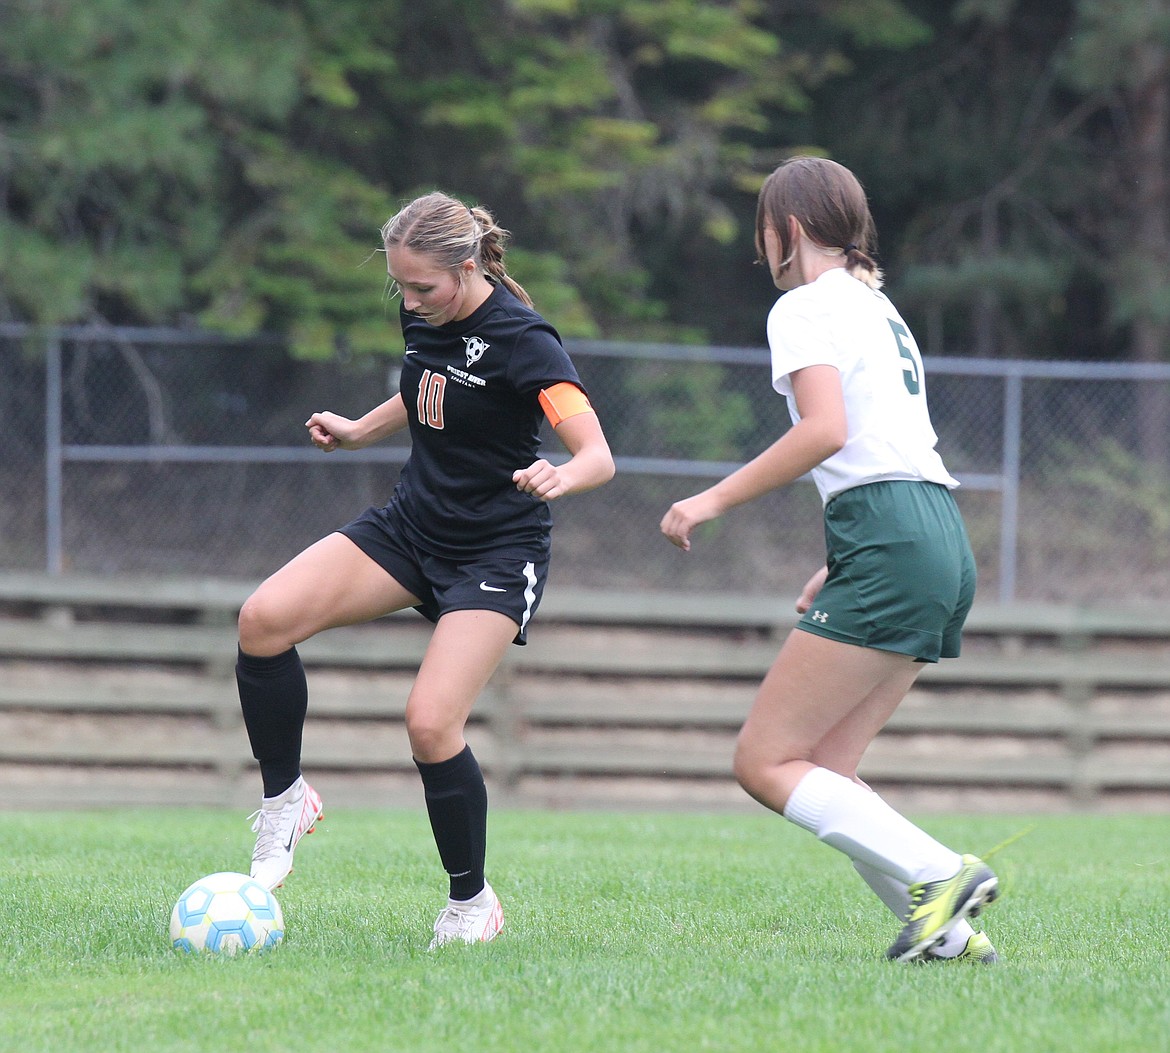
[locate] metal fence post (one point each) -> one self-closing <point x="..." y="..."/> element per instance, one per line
<point x="1013" y="402"/>
<point x="54" y="544"/>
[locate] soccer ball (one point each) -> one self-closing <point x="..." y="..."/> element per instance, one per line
<point x="226" y="913"/>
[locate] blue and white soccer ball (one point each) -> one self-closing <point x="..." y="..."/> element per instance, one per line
<point x="226" y="913"/>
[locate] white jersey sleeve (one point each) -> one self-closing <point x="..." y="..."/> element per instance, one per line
<point x="840" y="321"/>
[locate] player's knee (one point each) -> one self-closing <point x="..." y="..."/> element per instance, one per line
<point x="261" y="626"/>
<point x="432" y="736"/>
<point x="761" y="768"/>
<point x="747" y="767"/>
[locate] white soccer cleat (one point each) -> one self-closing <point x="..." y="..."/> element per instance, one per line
<point x="472" y="921"/>
<point x="280" y="823"/>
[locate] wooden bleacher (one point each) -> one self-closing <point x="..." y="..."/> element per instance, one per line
<point x="121" y="691"/>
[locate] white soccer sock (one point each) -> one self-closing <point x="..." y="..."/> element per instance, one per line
<point x="896" y="896"/>
<point x="859" y="823"/>
<point x="892" y="892"/>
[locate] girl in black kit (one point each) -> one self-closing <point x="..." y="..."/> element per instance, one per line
<point x="464" y="539"/>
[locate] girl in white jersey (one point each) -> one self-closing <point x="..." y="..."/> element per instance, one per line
<point x="899" y="576"/>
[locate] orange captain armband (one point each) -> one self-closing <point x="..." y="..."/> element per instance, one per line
<point x="562" y="401"/>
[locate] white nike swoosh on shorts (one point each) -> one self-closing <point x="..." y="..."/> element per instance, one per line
<point x="490" y="588"/>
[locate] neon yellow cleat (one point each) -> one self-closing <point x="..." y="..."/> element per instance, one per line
<point x="978" y="951"/>
<point x="936" y="906"/>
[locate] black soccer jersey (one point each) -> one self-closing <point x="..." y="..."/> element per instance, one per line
<point x="471" y="392"/>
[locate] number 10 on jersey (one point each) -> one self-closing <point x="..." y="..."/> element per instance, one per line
<point x="431" y="387"/>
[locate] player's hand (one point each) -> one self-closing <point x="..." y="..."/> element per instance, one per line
<point x="331" y="431"/>
<point x="540" y="479"/>
<point x="684" y="516"/>
<point x="810" y="590"/>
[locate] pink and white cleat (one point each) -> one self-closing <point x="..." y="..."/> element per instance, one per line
<point x="469" y="921"/>
<point x="279" y="824"/>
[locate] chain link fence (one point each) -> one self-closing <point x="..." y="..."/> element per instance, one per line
<point x="173" y="453"/>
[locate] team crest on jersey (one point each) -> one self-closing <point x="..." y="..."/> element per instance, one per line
<point x="476" y="346"/>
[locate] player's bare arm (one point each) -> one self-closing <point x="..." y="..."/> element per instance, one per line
<point x="331" y="431"/>
<point x="820" y="433"/>
<point x="590" y="465"/>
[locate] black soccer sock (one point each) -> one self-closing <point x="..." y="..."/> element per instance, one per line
<point x="457" y="805"/>
<point x="274" y="697"/>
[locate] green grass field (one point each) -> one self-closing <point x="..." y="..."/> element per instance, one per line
<point x="624" y="932"/>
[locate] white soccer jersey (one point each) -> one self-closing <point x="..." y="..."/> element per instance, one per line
<point x="840" y="321"/>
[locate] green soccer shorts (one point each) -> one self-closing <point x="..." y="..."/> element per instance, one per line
<point x="901" y="572"/>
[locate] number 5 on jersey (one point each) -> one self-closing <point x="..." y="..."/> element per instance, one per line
<point x="431" y="387"/>
<point x="912" y="372"/>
